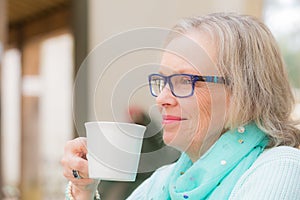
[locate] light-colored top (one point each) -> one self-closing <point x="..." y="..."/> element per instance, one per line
<point x="216" y="172"/>
<point x="275" y="175"/>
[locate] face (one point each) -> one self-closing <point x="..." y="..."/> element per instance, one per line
<point x="190" y="121"/>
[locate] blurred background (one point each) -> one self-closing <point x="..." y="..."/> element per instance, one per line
<point x="42" y="45"/>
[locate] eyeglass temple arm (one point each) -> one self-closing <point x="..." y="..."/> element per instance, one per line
<point x="212" y="79"/>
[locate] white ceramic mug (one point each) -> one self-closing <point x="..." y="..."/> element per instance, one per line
<point x="113" y="150"/>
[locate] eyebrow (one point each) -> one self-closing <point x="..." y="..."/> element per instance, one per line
<point x="180" y="72"/>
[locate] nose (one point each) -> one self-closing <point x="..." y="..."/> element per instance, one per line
<point x="166" y="98"/>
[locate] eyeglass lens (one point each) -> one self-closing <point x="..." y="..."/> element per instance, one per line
<point x="180" y="85"/>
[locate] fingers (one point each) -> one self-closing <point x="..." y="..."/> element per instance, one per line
<point x="83" y="171"/>
<point x="74" y="158"/>
<point x="77" y="146"/>
<point x="83" y="181"/>
<point x="75" y="163"/>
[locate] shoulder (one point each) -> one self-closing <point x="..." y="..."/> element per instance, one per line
<point x="166" y="168"/>
<point x="158" y="178"/>
<point x="281" y="154"/>
<point x="274" y="175"/>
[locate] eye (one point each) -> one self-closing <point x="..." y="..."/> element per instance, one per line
<point x="157" y="80"/>
<point x="186" y="80"/>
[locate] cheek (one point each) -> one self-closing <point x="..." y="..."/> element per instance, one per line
<point x="212" y="112"/>
<point x="203" y="99"/>
<point x="198" y="108"/>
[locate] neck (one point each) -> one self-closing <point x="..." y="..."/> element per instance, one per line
<point x="193" y="158"/>
<point x="195" y="151"/>
<point x="194" y="154"/>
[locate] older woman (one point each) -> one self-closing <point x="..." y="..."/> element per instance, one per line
<point x="226" y="104"/>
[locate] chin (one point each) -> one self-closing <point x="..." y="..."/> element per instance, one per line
<point x="171" y="140"/>
<point x="168" y="138"/>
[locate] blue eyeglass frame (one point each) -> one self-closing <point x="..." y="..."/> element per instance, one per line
<point x="194" y="79"/>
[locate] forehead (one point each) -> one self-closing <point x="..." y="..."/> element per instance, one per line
<point x="172" y="63"/>
<point x="190" y="53"/>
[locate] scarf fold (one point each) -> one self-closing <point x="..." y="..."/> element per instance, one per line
<point x="215" y="174"/>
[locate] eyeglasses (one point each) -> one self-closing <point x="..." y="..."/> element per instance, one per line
<point x="181" y="85"/>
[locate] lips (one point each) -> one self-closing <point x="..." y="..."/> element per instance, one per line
<point x="167" y="119"/>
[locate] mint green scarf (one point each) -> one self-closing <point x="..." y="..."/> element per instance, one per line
<point x="215" y="174"/>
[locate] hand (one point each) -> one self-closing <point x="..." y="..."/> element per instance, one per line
<point x="74" y="158"/>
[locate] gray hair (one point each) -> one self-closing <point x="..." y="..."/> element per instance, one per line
<point x="249" y="58"/>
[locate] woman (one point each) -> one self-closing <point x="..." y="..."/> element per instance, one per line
<point x="226" y="104"/>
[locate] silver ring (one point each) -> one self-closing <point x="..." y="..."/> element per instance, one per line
<point x="76" y="174"/>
